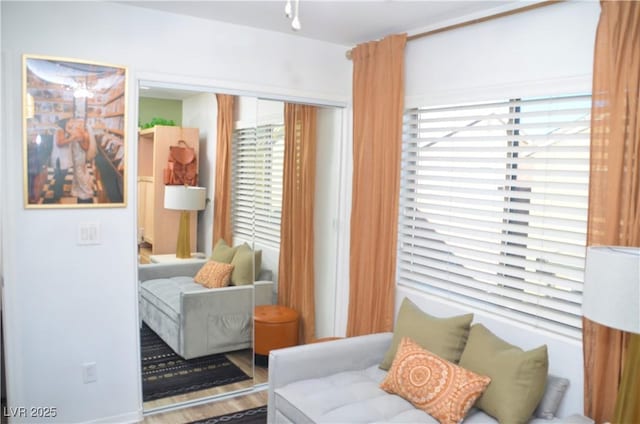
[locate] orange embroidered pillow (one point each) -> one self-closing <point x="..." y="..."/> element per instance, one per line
<point x="214" y="274"/>
<point x="440" y="388"/>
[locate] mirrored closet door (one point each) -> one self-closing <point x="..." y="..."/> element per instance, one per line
<point x="257" y="157"/>
<point x="196" y="337"/>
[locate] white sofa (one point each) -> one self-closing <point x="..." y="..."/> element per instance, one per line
<point x="338" y="382"/>
<point x="194" y="320"/>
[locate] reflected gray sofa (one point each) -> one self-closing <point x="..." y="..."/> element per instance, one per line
<point x="194" y="320"/>
<point x="338" y="382"/>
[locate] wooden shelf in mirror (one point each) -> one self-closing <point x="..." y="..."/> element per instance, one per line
<point x="159" y="226"/>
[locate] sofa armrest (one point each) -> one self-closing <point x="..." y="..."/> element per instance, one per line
<point x="317" y="360"/>
<point x="153" y="271"/>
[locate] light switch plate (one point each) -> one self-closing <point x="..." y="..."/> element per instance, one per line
<point x="89" y="233"/>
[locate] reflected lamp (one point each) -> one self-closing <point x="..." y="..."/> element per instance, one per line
<point x="185" y="199"/>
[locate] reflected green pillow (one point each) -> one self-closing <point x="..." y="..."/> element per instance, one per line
<point x="242" y="261"/>
<point x="222" y="252"/>
<point x="257" y="264"/>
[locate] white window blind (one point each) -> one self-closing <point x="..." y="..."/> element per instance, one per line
<point x="493" y="207"/>
<point x="257" y="168"/>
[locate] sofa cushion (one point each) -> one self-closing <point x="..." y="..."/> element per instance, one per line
<point x="164" y="293"/>
<point x="214" y="274"/>
<point x="440" y="388"/>
<point x="222" y="252"/>
<point x="553" y="394"/>
<point x="445" y="337"/>
<point x="517" y="377"/>
<point x="353" y="396"/>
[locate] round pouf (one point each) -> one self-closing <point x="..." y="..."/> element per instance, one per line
<point x="275" y="327"/>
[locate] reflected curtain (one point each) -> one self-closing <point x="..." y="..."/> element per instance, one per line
<point x="222" y="194"/>
<point x="296" y="267"/>
<point x="614" y="203"/>
<point x="378" y="97"/>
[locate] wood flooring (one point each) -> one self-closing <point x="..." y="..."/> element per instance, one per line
<point x="244" y="360"/>
<point x="212" y="409"/>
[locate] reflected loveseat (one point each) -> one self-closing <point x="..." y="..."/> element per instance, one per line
<point x="194" y="320"/>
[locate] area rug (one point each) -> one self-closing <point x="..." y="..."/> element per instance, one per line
<point x="250" y="416"/>
<point x="165" y="373"/>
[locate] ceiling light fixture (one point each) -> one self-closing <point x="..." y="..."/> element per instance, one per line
<point x="295" y="23"/>
<point x="287" y="9"/>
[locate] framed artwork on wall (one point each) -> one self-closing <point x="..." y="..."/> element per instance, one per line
<point x="74" y="133"/>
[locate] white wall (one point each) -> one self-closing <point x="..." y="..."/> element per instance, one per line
<point x="65" y="304"/>
<point x="542" y="52"/>
<point x="329" y="124"/>
<point x="201" y="112"/>
<point x="548" y="49"/>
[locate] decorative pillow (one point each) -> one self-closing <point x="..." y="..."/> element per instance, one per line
<point x="257" y="263"/>
<point x="214" y="274"/>
<point x="222" y="252"/>
<point x="243" y="272"/>
<point x="518" y="378"/>
<point x="440" y="388"/>
<point x="444" y="337"/>
<point x="553" y="394"/>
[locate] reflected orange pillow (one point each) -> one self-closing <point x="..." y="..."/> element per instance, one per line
<point x="440" y="388"/>
<point x="214" y="274"/>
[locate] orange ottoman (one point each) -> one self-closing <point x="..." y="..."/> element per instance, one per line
<point x="275" y="327"/>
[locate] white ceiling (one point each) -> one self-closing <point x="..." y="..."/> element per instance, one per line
<point x="345" y="22"/>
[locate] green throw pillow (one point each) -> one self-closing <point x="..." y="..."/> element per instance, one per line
<point x="257" y="263"/>
<point x="223" y="252"/>
<point x="444" y="337"/>
<point x="518" y="378"/>
<point x="242" y="261"/>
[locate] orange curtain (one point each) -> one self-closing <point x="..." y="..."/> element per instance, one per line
<point x="222" y="195"/>
<point x="296" y="269"/>
<point x="378" y="97"/>
<point x="614" y="194"/>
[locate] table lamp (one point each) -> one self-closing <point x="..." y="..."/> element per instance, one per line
<point x="185" y="199"/>
<point x="611" y="292"/>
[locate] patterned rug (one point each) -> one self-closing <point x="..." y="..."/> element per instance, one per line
<point x="250" y="416"/>
<point x="164" y="373"/>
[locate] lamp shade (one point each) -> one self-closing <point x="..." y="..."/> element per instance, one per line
<point x="184" y="198"/>
<point x="611" y="293"/>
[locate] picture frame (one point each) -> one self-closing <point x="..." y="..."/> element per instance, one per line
<point x="74" y="133"/>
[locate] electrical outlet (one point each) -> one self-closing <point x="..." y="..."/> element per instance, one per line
<point x="89" y="372"/>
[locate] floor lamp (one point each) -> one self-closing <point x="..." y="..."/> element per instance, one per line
<point x="185" y="199"/>
<point x="611" y="297"/>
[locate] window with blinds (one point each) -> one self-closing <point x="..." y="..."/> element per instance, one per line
<point x="493" y="207"/>
<point x="257" y="167"/>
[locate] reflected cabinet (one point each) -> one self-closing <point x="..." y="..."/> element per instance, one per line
<point x="158" y="226"/>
